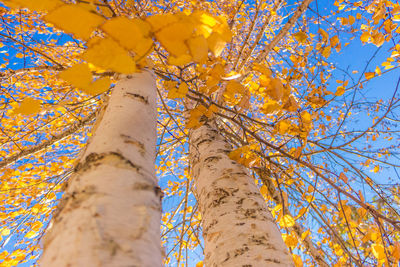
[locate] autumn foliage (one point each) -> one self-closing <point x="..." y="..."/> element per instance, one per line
<point x="314" y="120"/>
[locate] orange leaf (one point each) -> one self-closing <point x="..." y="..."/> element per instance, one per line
<point x="369" y="75"/>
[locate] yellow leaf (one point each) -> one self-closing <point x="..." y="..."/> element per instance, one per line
<point x="297" y="152"/>
<point x="195" y="115"/>
<point x="198" y="48"/>
<point x="270" y="106"/>
<point x="264" y="190"/>
<point x="129" y="33"/>
<point x="378" y="70"/>
<point x="378" y="39"/>
<point x="361" y="212"/>
<point x="222" y="29"/>
<point x="262" y="69"/>
<point x="340" y="91"/>
<point x="325" y="35"/>
<point x="143" y="48"/>
<point x="158" y="22"/>
<point x="290" y="240"/>
<point x="36" y="225"/>
<point x="291" y="104"/>
<point x="173" y="37"/>
<point x="107" y="54"/>
<point x="35" y="5"/>
<point x="326" y="52"/>
<point x="365" y="37"/>
<point x="169" y="85"/>
<point x="216" y="43"/>
<point x="297" y="260"/>
<point x="369" y="75"/>
<point x="376" y="169"/>
<point x="233" y="88"/>
<point x="265" y="80"/>
<point x="283" y="126"/>
<point x="200" y="264"/>
<point x="305" y="234"/>
<point x="396" y="251"/>
<point x="5" y="231"/>
<point x="352" y="19"/>
<point x="300" y="36"/>
<point x="74" y="19"/>
<point x="205" y="18"/>
<point x="275" y="90"/>
<point x="378" y="251"/>
<point x="170" y="226"/>
<point x="179" y="60"/>
<point x="99" y="86"/>
<point x="31" y="234"/>
<point x="212" y="109"/>
<point x="179" y="92"/>
<point x="28" y="106"/>
<point x="334" y="41"/>
<point x="287" y="221"/>
<point x="78" y="75"/>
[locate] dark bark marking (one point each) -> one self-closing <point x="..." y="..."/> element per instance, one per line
<point x="205" y="140"/>
<point x="74" y="200"/>
<point x="129" y="140"/>
<point x="212" y="159"/>
<point x="149" y="187"/>
<point x="138" y="97"/>
<point x="218" y="195"/>
<point x="240" y="251"/>
<point x="95" y="159"/>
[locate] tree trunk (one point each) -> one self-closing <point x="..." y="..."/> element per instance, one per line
<point x="110" y="213"/>
<point x="238" y="229"/>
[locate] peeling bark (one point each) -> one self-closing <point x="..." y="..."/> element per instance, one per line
<point x="110" y="213"/>
<point x="238" y="229"/>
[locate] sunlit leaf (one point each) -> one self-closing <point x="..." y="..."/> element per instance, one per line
<point x="287" y="221"/>
<point x="198" y="48"/>
<point x="378" y="251"/>
<point x="97" y="87"/>
<point x="74" y="19"/>
<point x="107" y="54"/>
<point x="129" y="33"/>
<point x="28" y="106"/>
<point x="36" y="5"/>
<point x="173" y="37"/>
<point x="78" y="75"/>
<point x="369" y="75"/>
<point x="300" y="36"/>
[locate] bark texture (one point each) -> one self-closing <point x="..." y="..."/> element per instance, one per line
<point x="238" y="229"/>
<point x="110" y="213"/>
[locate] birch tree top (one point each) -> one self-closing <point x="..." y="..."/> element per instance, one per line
<point x="306" y="92"/>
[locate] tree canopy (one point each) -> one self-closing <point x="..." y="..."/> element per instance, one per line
<point x="306" y="92"/>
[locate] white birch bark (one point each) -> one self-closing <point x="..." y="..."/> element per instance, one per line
<point x="238" y="230"/>
<point x="110" y="213"/>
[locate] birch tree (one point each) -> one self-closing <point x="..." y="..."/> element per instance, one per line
<point x="255" y="89"/>
<point x="276" y="105"/>
<point x="111" y="209"/>
<point x="238" y="230"/>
